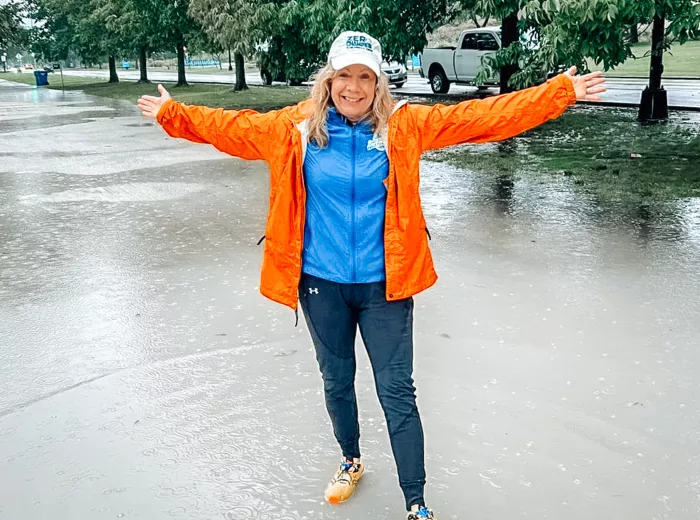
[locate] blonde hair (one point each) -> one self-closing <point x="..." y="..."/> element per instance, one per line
<point x="382" y="106"/>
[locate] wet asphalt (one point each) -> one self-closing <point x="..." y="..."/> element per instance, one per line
<point x="144" y="376"/>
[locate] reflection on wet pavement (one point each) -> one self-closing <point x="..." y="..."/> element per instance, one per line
<point x="145" y="377"/>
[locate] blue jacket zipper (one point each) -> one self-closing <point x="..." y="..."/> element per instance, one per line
<point x="353" y="239"/>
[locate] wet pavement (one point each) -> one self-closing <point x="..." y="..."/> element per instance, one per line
<point x="143" y="375"/>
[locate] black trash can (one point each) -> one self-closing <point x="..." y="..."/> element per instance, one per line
<point x="42" y="78"/>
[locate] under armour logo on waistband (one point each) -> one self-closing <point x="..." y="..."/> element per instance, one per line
<point x="313" y="291"/>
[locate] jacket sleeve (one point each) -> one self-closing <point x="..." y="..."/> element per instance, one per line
<point x="242" y="133"/>
<point x="493" y="119"/>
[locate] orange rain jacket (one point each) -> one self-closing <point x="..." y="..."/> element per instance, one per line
<point x="280" y="137"/>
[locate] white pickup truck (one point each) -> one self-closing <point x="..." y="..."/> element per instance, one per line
<point x="446" y="65"/>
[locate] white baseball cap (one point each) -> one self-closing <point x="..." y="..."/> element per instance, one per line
<point x="356" y="48"/>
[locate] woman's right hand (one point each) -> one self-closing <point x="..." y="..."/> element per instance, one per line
<point x="150" y="105"/>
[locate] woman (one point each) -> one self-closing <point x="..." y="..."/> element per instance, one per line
<point x="346" y="235"/>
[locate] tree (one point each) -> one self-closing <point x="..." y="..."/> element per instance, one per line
<point x="139" y="27"/>
<point x="401" y="25"/>
<point x="555" y="33"/>
<point x="303" y="32"/>
<point x="90" y="28"/>
<point x="142" y="26"/>
<point x="634" y="32"/>
<point x="552" y="35"/>
<point x="9" y="27"/>
<point x="97" y="32"/>
<point x="684" y="18"/>
<point x="51" y="39"/>
<point x="175" y="27"/>
<point x="510" y="56"/>
<point x="238" y="25"/>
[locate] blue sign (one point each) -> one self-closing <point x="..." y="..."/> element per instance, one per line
<point x="189" y="62"/>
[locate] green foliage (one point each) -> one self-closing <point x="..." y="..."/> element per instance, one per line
<point x="234" y="24"/>
<point x="93" y="28"/>
<point x="172" y="21"/>
<point x="301" y="37"/>
<point x="568" y="32"/>
<point x="51" y="40"/>
<point x="401" y="25"/>
<point x="9" y="25"/>
<point x="138" y="25"/>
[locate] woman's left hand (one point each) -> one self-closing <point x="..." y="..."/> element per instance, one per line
<point x="587" y="87"/>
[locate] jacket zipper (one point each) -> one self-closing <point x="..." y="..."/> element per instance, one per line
<point x="303" y="220"/>
<point x="388" y="160"/>
<point x="352" y="205"/>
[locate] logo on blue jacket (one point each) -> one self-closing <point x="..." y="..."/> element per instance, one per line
<point x="376" y="143"/>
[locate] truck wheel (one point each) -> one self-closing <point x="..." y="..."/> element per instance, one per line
<point x="439" y="82"/>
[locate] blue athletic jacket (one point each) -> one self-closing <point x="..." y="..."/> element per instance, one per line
<point x="345" y="204"/>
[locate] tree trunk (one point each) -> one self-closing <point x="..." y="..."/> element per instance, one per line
<point x="509" y="34"/>
<point x="657" y="52"/>
<point x="634" y="33"/>
<point x="113" y="78"/>
<point x="476" y="22"/>
<point x="143" y="65"/>
<point x="181" y="77"/>
<point x="230" y="65"/>
<point x="654" y="104"/>
<point x="240" y="72"/>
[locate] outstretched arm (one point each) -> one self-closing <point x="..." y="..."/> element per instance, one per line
<point x="505" y="116"/>
<point x="242" y="133"/>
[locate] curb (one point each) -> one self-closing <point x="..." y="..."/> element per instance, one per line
<point x="614" y="104"/>
<point x="609" y="104"/>
<point x="681" y="78"/>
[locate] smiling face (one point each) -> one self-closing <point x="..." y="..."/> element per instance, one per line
<point x="352" y="91"/>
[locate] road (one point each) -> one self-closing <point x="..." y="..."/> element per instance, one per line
<point x="145" y="377"/>
<point x="681" y="92"/>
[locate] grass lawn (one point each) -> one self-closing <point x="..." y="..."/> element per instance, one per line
<point x="249" y="67"/>
<point x="257" y="98"/>
<point x="681" y="60"/>
<point x="603" y="152"/>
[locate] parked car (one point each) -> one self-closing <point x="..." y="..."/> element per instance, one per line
<point x="461" y="64"/>
<point x="396" y="73"/>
